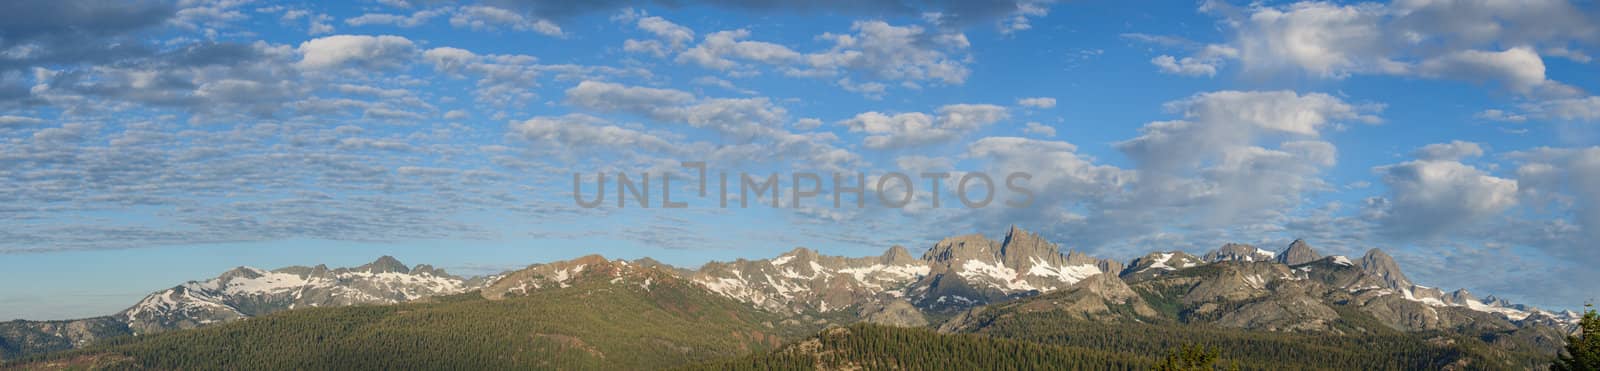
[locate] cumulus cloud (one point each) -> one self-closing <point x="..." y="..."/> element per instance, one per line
<point x="1239" y="154"/>
<point x="1517" y="69"/>
<point x="886" y="131"/>
<point x="1431" y="196"/>
<point x="671" y="37"/>
<point x="1457" y="40"/>
<point x="361" y="51"/>
<point x="723" y="50"/>
<point x="1567" y="177"/>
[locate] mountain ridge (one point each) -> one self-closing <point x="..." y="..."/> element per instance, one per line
<point x="1235" y="285"/>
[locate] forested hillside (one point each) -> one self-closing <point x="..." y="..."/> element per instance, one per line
<point x="875" y="347"/>
<point x="600" y="322"/>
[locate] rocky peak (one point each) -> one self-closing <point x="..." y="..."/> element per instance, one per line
<point x="1380" y="265"/>
<point x="428" y="270"/>
<point x="802" y="254"/>
<point x="965" y="247"/>
<point x="1237" y="252"/>
<point x="1157" y="263"/>
<point x="897" y="255"/>
<point x="1460" y="297"/>
<point x="384" y="264"/>
<point x="1021" y="249"/>
<point x="1299" y="252"/>
<point x="240" y="272"/>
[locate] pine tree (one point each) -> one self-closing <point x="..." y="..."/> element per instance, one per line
<point x="1583" y="350"/>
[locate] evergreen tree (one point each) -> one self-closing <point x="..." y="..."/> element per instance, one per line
<point x="1583" y="350"/>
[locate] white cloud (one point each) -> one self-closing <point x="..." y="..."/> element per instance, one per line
<point x="675" y="35"/>
<point x="1517" y="69"/>
<point x="1037" y="102"/>
<point x="1236" y="155"/>
<point x="415" y="19"/>
<point x="17" y="121"/>
<point x="719" y="51"/>
<point x="1569" y="178"/>
<point x="1452" y="40"/>
<point x="882" y="51"/>
<point x="1206" y="62"/>
<point x="739" y="118"/>
<point x="913" y="129"/>
<point x="362" y="51"/>
<point x="1323" y="39"/>
<point x="807" y="123"/>
<point x="1428" y="197"/>
<point x="581" y="132"/>
<point x="1501" y="115"/>
<point x="1039" y="129"/>
<point x="489" y="18"/>
<point x="1453" y="151"/>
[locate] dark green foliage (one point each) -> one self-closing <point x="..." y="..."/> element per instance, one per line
<point x="1583" y="350"/>
<point x="592" y="325"/>
<point x="1261" y="350"/>
<point x="874" y="347"/>
<point x="1191" y="358"/>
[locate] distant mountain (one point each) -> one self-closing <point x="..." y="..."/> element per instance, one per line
<point x="20" y="338"/>
<point x="239" y="293"/>
<point x="604" y="315"/>
<point x="960" y="284"/>
<point x="1239" y="252"/>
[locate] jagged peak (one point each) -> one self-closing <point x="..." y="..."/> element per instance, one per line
<point x="1299" y="252"/>
<point x="241" y="272"/>
<point x="1378" y="263"/>
<point x="385" y="264"/>
<point x="1238" y="251"/>
<point x="963" y="246"/>
<point x="802" y="252"/>
<point x="896" y="255"/>
<point x="428" y="269"/>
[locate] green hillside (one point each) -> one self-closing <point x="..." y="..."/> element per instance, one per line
<point x="594" y="324"/>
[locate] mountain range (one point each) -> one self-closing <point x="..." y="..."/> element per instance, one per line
<point x="961" y="284"/>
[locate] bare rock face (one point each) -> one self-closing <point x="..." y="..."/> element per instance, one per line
<point x="1299" y="252"/>
<point x="893" y="313"/>
<point x="1282" y="313"/>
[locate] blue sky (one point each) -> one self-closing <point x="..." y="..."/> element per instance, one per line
<point x="143" y="144"/>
